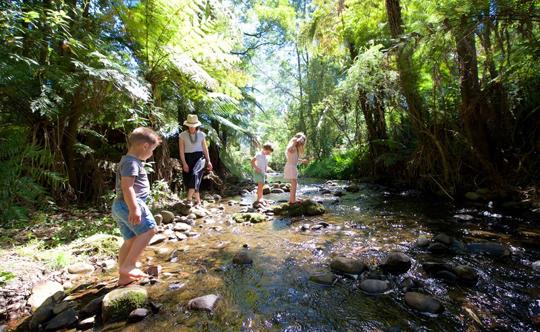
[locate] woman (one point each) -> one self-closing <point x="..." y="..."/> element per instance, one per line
<point x="295" y="149"/>
<point x="194" y="156"/>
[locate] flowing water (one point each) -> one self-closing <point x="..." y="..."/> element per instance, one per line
<point x="274" y="293"/>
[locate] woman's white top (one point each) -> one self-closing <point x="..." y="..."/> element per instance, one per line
<point x="189" y="146"/>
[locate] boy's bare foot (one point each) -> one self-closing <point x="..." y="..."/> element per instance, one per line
<point x="124" y="280"/>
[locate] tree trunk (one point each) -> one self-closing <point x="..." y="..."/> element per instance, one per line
<point x="474" y="111"/>
<point x="408" y="79"/>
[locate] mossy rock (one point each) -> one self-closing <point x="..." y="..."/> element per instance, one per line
<point x="253" y="218"/>
<point x="304" y="208"/>
<point x="118" y="303"/>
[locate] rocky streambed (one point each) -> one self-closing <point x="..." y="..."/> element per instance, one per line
<point x="352" y="257"/>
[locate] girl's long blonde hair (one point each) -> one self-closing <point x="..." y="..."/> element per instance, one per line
<point x="299" y="138"/>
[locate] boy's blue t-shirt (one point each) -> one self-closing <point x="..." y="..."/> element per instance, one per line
<point x="132" y="166"/>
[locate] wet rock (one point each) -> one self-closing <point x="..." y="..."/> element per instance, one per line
<point x="158" y="218"/>
<point x="464" y="217"/>
<point x="108" y="264"/>
<point x="242" y="258"/>
<point x="168" y="216"/>
<point x="206" y="302"/>
<point x="435" y="267"/>
<point x="353" y="188"/>
<point x="339" y="193"/>
<point x="176" y="286"/>
<point x="422" y="242"/>
<point x="182" y="208"/>
<point x="458" y="247"/>
<point x="65" y="319"/>
<point x="181" y="227"/>
<point x="347" y="265"/>
<point x="374" y="286"/>
<point x="277" y="191"/>
<point x="92" y="308"/>
<point x="396" y="263"/>
<point x="536" y="266"/>
<point x="407" y="284"/>
<point x="120" y="302"/>
<point x="438" y="248"/>
<point x="63" y="306"/>
<point x="80" y="268"/>
<point x="163" y="252"/>
<point x="180" y="236"/>
<point x="443" y="238"/>
<point x="472" y="196"/>
<point x="447" y="276"/>
<point x="158" y="238"/>
<point x="266" y="189"/>
<point x="253" y="218"/>
<point x="42" y="291"/>
<point x="489" y="248"/>
<point x="42" y="314"/>
<point x="322" y="278"/>
<point x="316" y="227"/>
<point x="137" y="315"/>
<point x="86" y="324"/>
<point x="326" y="192"/>
<point x="423" y="303"/>
<point x="307" y="208"/>
<point x="153" y="270"/>
<point x="466" y="274"/>
<point x="155" y="307"/>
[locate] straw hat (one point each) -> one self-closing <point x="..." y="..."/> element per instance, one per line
<point x="192" y="121"/>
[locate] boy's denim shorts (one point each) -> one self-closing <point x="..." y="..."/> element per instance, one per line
<point x="120" y="212"/>
<point x="259" y="177"/>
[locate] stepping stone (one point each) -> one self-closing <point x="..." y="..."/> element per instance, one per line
<point x="205" y="303"/>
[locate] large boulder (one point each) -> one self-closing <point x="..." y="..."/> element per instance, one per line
<point x="423" y="303"/>
<point x="119" y="303"/>
<point x="253" y="218"/>
<point x="396" y="263"/>
<point x="348" y="265"/>
<point x="303" y="208"/>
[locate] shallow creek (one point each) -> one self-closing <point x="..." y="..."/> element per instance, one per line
<point x="274" y="293"/>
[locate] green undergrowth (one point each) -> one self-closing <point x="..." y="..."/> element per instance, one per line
<point x="340" y="166"/>
<point x="5" y="276"/>
<point x="56" y="239"/>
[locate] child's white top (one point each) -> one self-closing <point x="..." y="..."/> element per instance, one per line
<point x="195" y="145"/>
<point x="261" y="161"/>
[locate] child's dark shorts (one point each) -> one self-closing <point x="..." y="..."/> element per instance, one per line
<point x="120" y="212"/>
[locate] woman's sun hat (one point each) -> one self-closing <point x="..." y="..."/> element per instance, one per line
<point x="192" y="121"/>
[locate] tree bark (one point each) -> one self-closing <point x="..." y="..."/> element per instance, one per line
<point x="408" y="79"/>
<point x="474" y="111"/>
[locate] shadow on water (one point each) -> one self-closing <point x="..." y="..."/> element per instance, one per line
<point x="275" y="293"/>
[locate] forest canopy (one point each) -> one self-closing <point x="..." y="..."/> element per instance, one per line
<point x="439" y="95"/>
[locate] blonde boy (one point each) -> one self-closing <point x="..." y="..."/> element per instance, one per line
<point x="129" y="209"/>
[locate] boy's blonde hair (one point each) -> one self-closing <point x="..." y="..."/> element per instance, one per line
<point x="268" y="146"/>
<point x="143" y="135"/>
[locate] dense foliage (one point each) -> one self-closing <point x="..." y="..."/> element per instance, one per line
<point x="440" y="94"/>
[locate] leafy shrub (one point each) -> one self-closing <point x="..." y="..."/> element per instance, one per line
<point x="24" y="169"/>
<point x="342" y="165"/>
